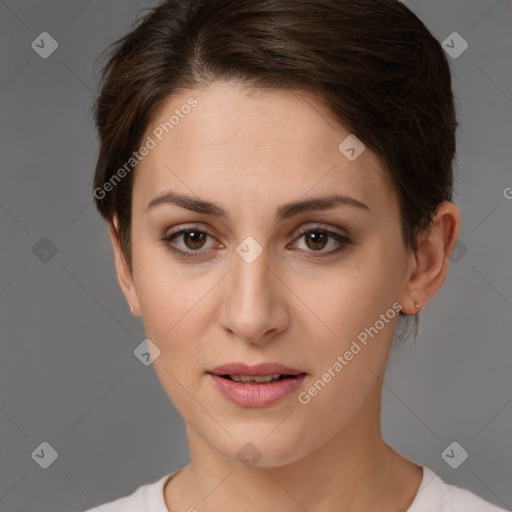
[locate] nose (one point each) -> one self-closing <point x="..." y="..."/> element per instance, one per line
<point x="254" y="306"/>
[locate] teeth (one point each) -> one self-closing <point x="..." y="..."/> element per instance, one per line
<point x="253" y="378"/>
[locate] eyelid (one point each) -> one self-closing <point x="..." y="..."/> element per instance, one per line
<point x="319" y="226"/>
<point x="301" y="230"/>
<point x="343" y="239"/>
<point x="180" y="228"/>
<point x="184" y="228"/>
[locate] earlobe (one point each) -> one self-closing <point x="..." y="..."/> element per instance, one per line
<point x="124" y="273"/>
<point x="429" y="263"/>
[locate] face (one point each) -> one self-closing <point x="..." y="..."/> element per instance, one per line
<point x="264" y="282"/>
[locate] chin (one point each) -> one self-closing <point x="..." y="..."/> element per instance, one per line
<point x="263" y="450"/>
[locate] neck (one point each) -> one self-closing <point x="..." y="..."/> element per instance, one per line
<point x="353" y="471"/>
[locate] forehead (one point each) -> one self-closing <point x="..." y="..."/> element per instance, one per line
<point x="255" y="146"/>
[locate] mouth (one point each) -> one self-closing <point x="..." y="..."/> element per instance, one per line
<point x="261" y="385"/>
<point x="260" y="379"/>
<point x="261" y="373"/>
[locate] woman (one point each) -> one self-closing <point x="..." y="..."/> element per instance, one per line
<point x="277" y="180"/>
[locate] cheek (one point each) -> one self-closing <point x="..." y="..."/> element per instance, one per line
<point x="178" y="309"/>
<point x="347" y="298"/>
<point x="172" y="309"/>
<point x="164" y="295"/>
<point x="350" y="357"/>
<point x="164" y="290"/>
<point x="171" y="306"/>
<point x="356" y="311"/>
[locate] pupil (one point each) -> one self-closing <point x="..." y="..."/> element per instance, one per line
<point x="316" y="237"/>
<point x="195" y="243"/>
<point x="196" y="239"/>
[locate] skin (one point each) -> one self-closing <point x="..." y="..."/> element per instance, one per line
<point x="250" y="153"/>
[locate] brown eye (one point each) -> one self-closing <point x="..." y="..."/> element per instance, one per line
<point x="193" y="243"/>
<point x="194" y="239"/>
<point x="316" y="240"/>
<point x="190" y="242"/>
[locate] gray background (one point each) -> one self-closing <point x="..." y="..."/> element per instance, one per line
<point x="68" y="375"/>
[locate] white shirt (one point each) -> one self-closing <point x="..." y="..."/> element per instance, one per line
<point x="434" y="495"/>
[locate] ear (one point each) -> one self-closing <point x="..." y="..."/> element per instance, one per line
<point x="124" y="274"/>
<point x="429" y="262"/>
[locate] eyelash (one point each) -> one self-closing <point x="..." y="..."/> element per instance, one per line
<point x="344" y="240"/>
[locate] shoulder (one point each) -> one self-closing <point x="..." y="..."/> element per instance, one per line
<point x="463" y="500"/>
<point x="435" y="494"/>
<point x="146" y="497"/>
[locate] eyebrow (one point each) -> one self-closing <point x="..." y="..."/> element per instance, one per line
<point x="285" y="211"/>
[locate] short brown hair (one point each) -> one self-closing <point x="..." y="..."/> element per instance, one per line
<point x="373" y="63"/>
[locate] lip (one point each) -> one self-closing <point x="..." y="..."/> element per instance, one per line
<point x="254" y="371"/>
<point x="255" y="395"/>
